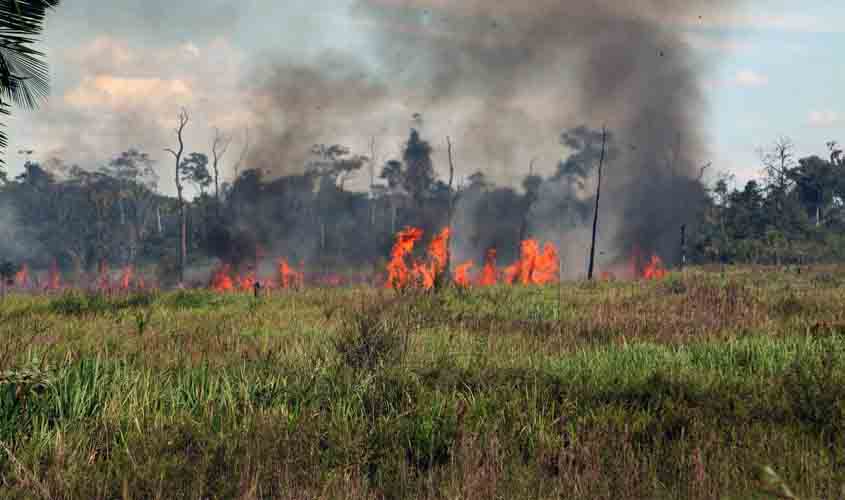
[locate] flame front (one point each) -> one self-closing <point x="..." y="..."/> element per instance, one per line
<point x="221" y="280"/>
<point x="534" y="267"/>
<point x="489" y="275"/>
<point x="398" y="273"/>
<point x="22" y="277"/>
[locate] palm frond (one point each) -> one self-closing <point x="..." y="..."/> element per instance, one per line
<point x="24" y="78"/>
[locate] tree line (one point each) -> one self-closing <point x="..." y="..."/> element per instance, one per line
<point x="116" y="214"/>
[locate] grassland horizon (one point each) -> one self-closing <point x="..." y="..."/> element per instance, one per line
<point x="701" y="385"/>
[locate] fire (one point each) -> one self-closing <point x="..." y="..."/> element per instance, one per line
<point x="288" y="276"/>
<point x="534" y="267"/>
<point x="247" y="281"/>
<point x="462" y="278"/>
<point x="221" y="280"/>
<point x="126" y="277"/>
<point x="423" y="273"/>
<point x="654" y="270"/>
<point x="54" y="278"/>
<point x="489" y="275"/>
<point x="439" y="252"/>
<point x="398" y="273"/>
<point x="22" y="276"/>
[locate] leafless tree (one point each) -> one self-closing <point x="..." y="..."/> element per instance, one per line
<point x="236" y="169"/>
<point x="177" y="155"/>
<point x="777" y="163"/>
<point x="219" y="145"/>
<point x="596" y="214"/>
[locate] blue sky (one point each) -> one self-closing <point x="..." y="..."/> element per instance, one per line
<point x="778" y="76"/>
<point x="121" y="69"/>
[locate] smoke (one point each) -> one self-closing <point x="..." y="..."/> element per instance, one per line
<point x="503" y="79"/>
<point x="300" y="105"/>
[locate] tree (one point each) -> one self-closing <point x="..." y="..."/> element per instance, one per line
<point x="777" y="162"/>
<point x="195" y="170"/>
<point x="335" y="163"/>
<point x="815" y="183"/>
<point x="418" y="175"/>
<point x="136" y="181"/>
<point x="24" y="79"/>
<point x="177" y="155"/>
<point x="219" y="146"/>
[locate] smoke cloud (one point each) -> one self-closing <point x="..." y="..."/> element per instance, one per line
<point x="504" y="79"/>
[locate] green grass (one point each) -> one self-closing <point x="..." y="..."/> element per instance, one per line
<point x="679" y="389"/>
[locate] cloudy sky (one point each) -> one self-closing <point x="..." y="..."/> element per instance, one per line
<point x="122" y="69"/>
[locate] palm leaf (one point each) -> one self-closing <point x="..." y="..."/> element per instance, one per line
<point x="24" y="78"/>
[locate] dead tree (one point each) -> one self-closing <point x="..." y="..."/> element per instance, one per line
<point x="236" y="169"/>
<point x="596" y="214"/>
<point x="453" y="198"/>
<point x="183" y="232"/>
<point x="218" y="149"/>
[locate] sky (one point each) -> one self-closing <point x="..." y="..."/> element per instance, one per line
<point x="121" y="70"/>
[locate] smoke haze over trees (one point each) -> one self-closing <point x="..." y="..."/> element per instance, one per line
<point x="522" y="89"/>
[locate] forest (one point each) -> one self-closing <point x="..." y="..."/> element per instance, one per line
<point x="80" y="220"/>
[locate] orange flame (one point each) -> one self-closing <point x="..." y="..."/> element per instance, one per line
<point x="438" y="249"/>
<point x="126" y="277"/>
<point x="54" y="278"/>
<point x="22" y="276"/>
<point x="247" y="282"/>
<point x="489" y="273"/>
<point x="534" y="267"/>
<point x="288" y="277"/>
<point x="221" y="280"/>
<point x="462" y="274"/>
<point x="654" y="270"/>
<point x="399" y="276"/>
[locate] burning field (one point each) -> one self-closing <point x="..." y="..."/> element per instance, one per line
<point x="615" y="389"/>
<point x="407" y="269"/>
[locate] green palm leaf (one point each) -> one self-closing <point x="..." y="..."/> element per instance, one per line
<point x="24" y="78"/>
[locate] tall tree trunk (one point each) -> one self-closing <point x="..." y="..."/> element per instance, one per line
<point x="177" y="155"/>
<point x="596" y="214"/>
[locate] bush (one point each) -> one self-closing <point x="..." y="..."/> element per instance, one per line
<point x="370" y="339"/>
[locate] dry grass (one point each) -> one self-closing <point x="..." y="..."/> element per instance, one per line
<point x="674" y="389"/>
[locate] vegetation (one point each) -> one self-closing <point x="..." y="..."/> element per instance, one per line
<point x="700" y="386"/>
<point x="23" y="73"/>
<point x="80" y="219"/>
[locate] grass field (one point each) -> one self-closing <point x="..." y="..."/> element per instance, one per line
<point x="684" y="388"/>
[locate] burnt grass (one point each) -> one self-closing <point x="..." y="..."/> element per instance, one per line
<point x="684" y="388"/>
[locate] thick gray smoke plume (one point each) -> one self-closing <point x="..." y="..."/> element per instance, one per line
<point x="504" y="79"/>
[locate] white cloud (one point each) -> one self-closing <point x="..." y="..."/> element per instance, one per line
<point x="123" y="95"/>
<point x="750" y="78"/>
<point x="827" y="118"/>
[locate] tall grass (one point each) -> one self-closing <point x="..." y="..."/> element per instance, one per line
<point x="681" y="389"/>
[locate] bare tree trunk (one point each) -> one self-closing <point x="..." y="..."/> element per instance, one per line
<point x="596" y="214"/>
<point x="183" y="236"/>
<point x="122" y="211"/>
<point x="158" y="220"/>
<point x="447" y="271"/>
<point x="218" y="149"/>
